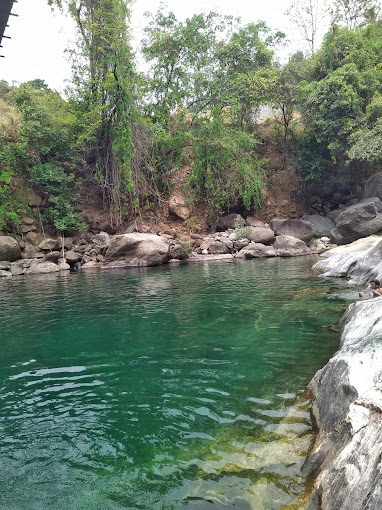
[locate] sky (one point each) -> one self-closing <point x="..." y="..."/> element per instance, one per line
<point x="39" y="36"/>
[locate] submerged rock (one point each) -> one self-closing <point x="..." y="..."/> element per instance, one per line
<point x="347" y="406"/>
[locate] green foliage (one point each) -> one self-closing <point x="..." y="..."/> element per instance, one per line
<point x="10" y="207"/>
<point x="226" y="172"/>
<point x="242" y="232"/>
<point x="340" y="101"/>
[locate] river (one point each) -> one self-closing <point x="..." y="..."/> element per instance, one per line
<point x="161" y="388"/>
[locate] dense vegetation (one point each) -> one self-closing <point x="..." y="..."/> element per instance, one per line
<point x="208" y="78"/>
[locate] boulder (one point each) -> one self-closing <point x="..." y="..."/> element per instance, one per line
<point x="72" y="257"/>
<point x="256" y="250"/>
<point x="4" y="273"/>
<point x="347" y="408"/>
<point x="360" y="220"/>
<point x="42" y="268"/>
<point x="361" y="261"/>
<point x="261" y="235"/>
<point x="227" y="242"/>
<point x="322" y="225"/>
<point x="49" y="244"/>
<point x="251" y="221"/>
<point x="9" y="249"/>
<point x="299" y="229"/>
<point x="134" y="250"/>
<point x="92" y="264"/>
<point x="102" y="241"/>
<point x="218" y="248"/>
<point x="52" y="256"/>
<point x="178" y="206"/>
<point x="373" y="187"/>
<point x="21" y="266"/>
<point x="5" y="265"/>
<point x="289" y="246"/>
<point x="31" y="252"/>
<point x="241" y="243"/>
<point x="33" y="238"/>
<point x="231" y="221"/>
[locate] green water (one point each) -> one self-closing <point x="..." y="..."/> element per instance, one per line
<point x="165" y="388"/>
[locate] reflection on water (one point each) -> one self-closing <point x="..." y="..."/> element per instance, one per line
<point x="163" y="388"/>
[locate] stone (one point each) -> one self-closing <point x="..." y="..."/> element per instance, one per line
<point x="9" y="249"/>
<point x="52" y="256"/>
<point x="227" y="242"/>
<point x="49" y="244"/>
<point x="27" y="220"/>
<point x="256" y="250"/>
<point x="68" y="243"/>
<point x="336" y="237"/>
<point x="24" y="229"/>
<point x="92" y="264"/>
<point x="33" y="238"/>
<point x="241" y="243"/>
<point x="4" y="273"/>
<point x="231" y="221"/>
<point x="251" y="221"/>
<point x="62" y="265"/>
<point x="299" y="229"/>
<point x="360" y="220"/>
<point x="134" y="250"/>
<point x="225" y="257"/>
<point x="289" y="246"/>
<point x="261" y="235"/>
<point x="42" y="268"/>
<point x="217" y="247"/>
<point x="5" y="265"/>
<point x="322" y="225"/>
<point x="347" y="406"/>
<point x="361" y="261"/>
<point x="177" y="205"/>
<point x="21" y="266"/>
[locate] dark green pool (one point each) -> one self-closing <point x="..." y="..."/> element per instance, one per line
<point x="165" y="388"/>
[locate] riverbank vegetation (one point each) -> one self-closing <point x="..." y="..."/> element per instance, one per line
<point x="123" y="134"/>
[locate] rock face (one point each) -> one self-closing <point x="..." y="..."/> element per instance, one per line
<point x="347" y="406"/>
<point x="360" y="220"/>
<point x="296" y="228"/>
<point x="322" y="225"/>
<point x="135" y="250"/>
<point x="361" y="261"/>
<point x="9" y="249"/>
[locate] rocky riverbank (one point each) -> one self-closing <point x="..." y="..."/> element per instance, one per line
<point x="237" y="238"/>
<point x="347" y="407"/>
<point x="347" y="393"/>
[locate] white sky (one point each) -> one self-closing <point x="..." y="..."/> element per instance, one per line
<point x="39" y="36"/>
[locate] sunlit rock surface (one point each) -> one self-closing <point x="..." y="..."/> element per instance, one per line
<point x="361" y="260"/>
<point x="347" y="406"/>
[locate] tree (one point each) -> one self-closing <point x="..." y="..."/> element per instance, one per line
<point x="354" y="13"/>
<point x="103" y="96"/>
<point x="308" y="16"/>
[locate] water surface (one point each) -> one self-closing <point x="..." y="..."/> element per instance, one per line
<point x="165" y="388"/>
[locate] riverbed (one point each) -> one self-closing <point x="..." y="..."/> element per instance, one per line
<point x="162" y="388"/>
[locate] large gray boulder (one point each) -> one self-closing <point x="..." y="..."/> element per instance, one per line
<point x="177" y="205"/>
<point x="360" y="220"/>
<point x="9" y="249"/>
<point x="135" y="250"/>
<point x="322" y="225"/>
<point x="361" y="261"/>
<point x="288" y="246"/>
<point x="299" y="229"/>
<point x="256" y="250"/>
<point x="230" y="221"/>
<point x="261" y="235"/>
<point x="347" y="407"/>
<point x="43" y="268"/>
<point x="218" y="248"/>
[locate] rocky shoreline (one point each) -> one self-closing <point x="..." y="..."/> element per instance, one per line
<point x="345" y="463"/>
<point x="237" y="238"/>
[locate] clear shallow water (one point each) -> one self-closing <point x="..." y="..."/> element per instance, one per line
<point x="165" y="388"/>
